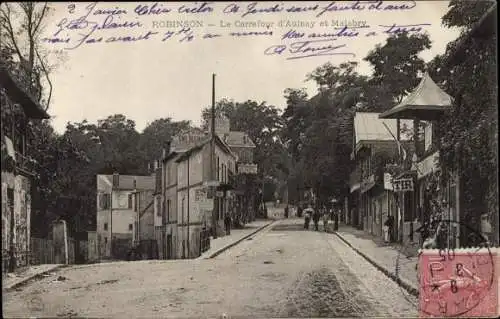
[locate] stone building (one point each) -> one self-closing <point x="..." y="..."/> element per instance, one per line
<point x="18" y="169"/>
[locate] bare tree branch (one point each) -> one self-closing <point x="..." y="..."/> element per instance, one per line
<point x="46" y="73"/>
<point x="42" y="15"/>
<point x="10" y="31"/>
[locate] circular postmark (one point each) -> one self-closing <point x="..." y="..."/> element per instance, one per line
<point x="451" y="281"/>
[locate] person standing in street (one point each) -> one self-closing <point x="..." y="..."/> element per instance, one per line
<point x="336" y="222"/>
<point x="326" y="216"/>
<point x="316" y="217"/>
<point x="307" y="219"/>
<point x="286" y="211"/>
<point x="227" y="223"/>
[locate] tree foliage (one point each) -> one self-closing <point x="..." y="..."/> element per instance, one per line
<point x="469" y="132"/>
<point x="263" y="124"/>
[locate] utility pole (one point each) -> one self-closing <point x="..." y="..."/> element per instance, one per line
<point x="111" y="222"/>
<point x="212" y="158"/>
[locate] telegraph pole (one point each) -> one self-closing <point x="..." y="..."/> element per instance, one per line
<point x="212" y="158"/>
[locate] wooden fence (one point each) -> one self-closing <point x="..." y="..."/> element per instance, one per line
<point x="42" y="251"/>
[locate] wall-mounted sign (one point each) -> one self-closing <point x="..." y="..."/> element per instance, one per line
<point x="202" y="199"/>
<point x="219" y="193"/>
<point x="367" y="183"/>
<point x="403" y="185"/>
<point x="247" y="168"/>
<point x="388" y="182"/>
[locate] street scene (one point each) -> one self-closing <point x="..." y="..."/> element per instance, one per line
<point x="251" y="159"/>
<point x="283" y="271"/>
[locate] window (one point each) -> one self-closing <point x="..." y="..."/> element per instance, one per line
<point x="130" y="201"/>
<point x="105" y="240"/>
<point x="169" y="180"/>
<point x="130" y="227"/>
<point x="105" y="201"/>
<point x="158" y="206"/>
<point x="218" y="169"/>
<point x="136" y="203"/>
<point x="223" y="170"/>
<point x="105" y="226"/>
<point x="182" y="210"/>
<point x="116" y="180"/>
<point x="168" y="209"/>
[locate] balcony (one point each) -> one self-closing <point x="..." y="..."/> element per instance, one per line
<point x="17" y="163"/>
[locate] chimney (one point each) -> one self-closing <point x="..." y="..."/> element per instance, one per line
<point x="166" y="149"/>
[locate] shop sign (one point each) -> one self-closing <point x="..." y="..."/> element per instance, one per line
<point x="368" y="183"/>
<point x="427" y="165"/>
<point x="388" y="182"/>
<point x="247" y="168"/>
<point x="202" y="199"/>
<point x="403" y="185"/>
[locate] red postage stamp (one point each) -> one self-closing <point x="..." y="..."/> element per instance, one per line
<point x="458" y="283"/>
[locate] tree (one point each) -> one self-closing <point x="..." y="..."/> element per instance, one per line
<point x="396" y="66"/>
<point x="469" y="132"/>
<point x="318" y="131"/>
<point x="118" y="140"/>
<point x="156" y="135"/>
<point x="263" y="124"/>
<point x="21" y="26"/>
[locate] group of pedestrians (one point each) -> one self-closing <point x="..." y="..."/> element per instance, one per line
<point x="321" y="213"/>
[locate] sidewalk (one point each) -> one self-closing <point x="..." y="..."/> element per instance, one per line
<point x="385" y="257"/>
<point x="13" y="280"/>
<point x="220" y="244"/>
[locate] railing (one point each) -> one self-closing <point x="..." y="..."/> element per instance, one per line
<point x="25" y="164"/>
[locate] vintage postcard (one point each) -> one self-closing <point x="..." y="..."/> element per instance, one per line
<point x="245" y="159"/>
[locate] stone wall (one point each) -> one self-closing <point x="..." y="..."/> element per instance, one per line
<point x="20" y="188"/>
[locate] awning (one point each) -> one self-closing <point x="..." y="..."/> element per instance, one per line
<point x="426" y="102"/>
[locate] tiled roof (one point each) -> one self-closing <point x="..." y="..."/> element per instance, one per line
<point x="368" y="127"/>
<point x="104" y="182"/>
<point x="200" y="145"/>
<point x="237" y="138"/>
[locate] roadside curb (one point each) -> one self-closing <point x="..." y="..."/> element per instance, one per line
<point x="31" y="278"/>
<point x="220" y="251"/>
<point x="401" y="282"/>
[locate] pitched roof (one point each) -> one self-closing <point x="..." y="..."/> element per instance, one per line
<point x="426" y="97"/>
<point x="104" y="182"/>
<point x="30" y="106"/>
<point x="200" y="146"/>
<point x="237" y="139"/>
<point x="369" y="127"/>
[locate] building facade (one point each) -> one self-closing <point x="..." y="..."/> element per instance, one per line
<point x="18" y="170"/>
<point x="372" y="197"/>
<point x="193" y="177"/>
<point x="123" y="203"/>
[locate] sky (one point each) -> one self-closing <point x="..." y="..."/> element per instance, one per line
<point x="149" y="62"/>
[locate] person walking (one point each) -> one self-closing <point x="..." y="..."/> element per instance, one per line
<point x="286" y="211"/>
<point x="307" y="218"/>
<point x="326" y="216"/>
<point x="227" y="223"/>
<point x="299" y="211"/>
<point x="316" y="217"/>
<point x="336" y="221"/>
